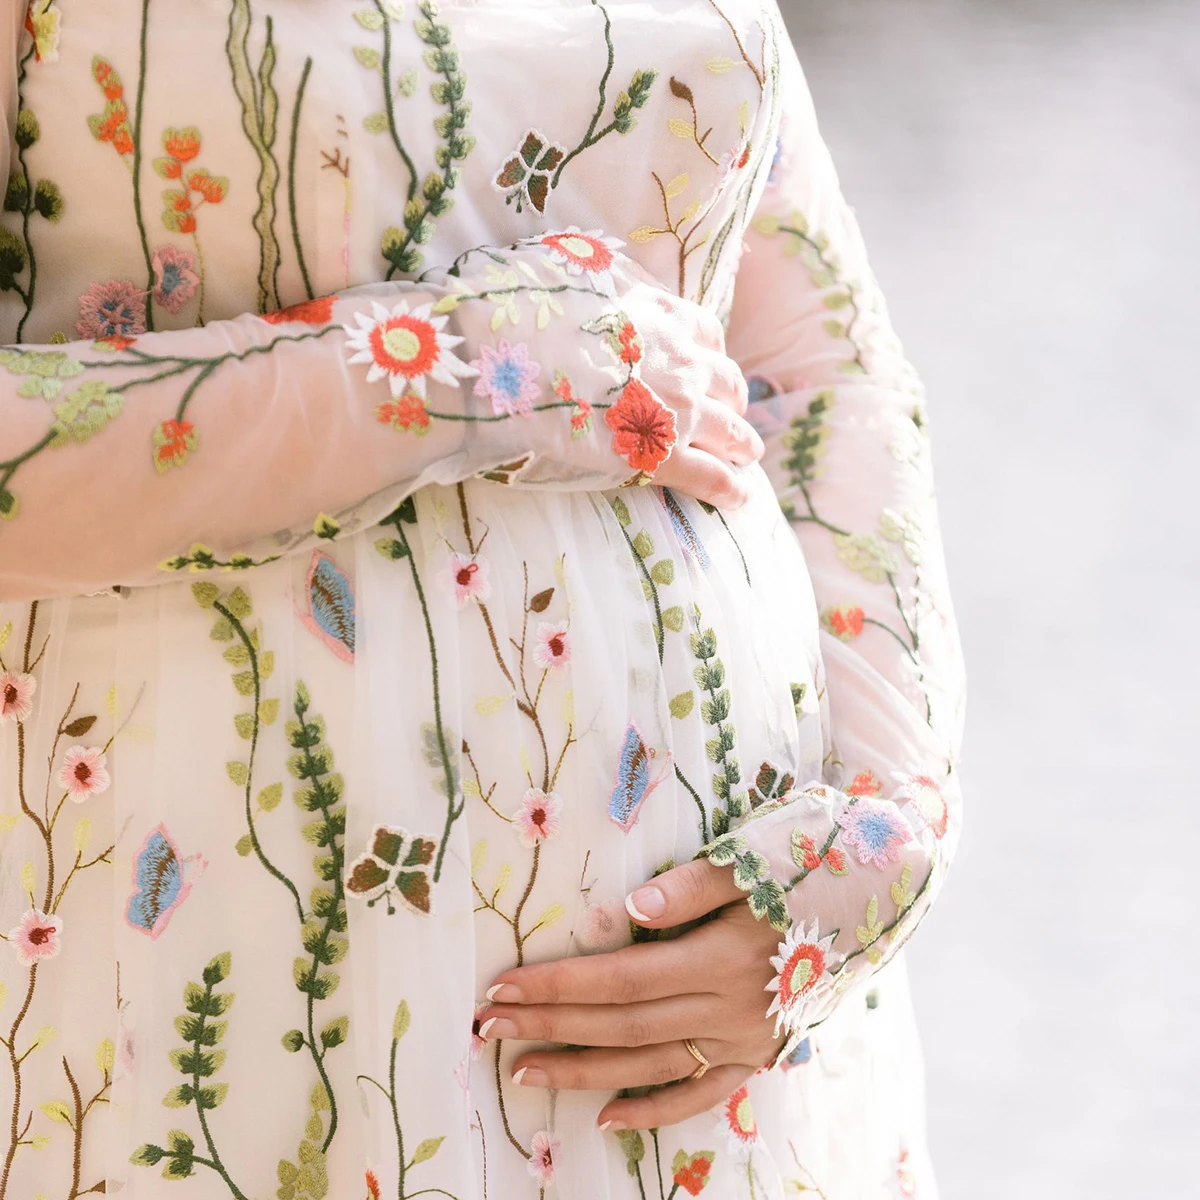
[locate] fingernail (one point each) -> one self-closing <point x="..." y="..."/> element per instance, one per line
<point x="531" y="1077"/>
<point x="611" y="1126"/>
<point x="504" y="993"/>
<point x="646" y="904"/>
<point x="496" y="1028"/>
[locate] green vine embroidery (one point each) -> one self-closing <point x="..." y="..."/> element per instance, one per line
<point x="260" y="117"/>
<point x="710" y="678"/>
<point x="660" y="573"/>
<point x="198" y="1061"/>
<point x="428" y="198"/>
<point x="426" y="1149"/>
<point x="27" y="199"/>
<point x="534" y="169"/>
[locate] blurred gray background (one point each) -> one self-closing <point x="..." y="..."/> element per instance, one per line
<point x="1028" y="177"/>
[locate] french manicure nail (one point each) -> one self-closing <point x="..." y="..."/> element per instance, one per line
<point x="646" y="904"/>
<point x="504" y="993"/>
<point x="531" y="1077"/>
<point x="606" y="1126"/>
<point x="611" y="1126"/>
<point x="497" y="1028"/>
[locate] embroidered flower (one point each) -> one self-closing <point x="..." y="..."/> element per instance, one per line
<point x="630" y="343"/>
<point x="691" y="1170"/>
<point x="173" y="441"/>
<point x="507" y="377"/>
<point x="581" y="409"/>
<point x="552" y="649"/>
<point x="526" y="174"/>
<point x="926" y="797"/>
<point x="16" y="696"/>
<point x="738" y="1123"/>
<point x="113" y="309"/>
<point x="36" y="937"/>
<point x="804" y="851"/>
<point x="875" y="832"/>
<point x="864" y="784"/>
<point x="469" y="576"/>
<point x="734" y="160"/>
<point x="477" y="1042"/>
<point x="802" y="977"/>
<point x="175" y="277"/>
<point x="589" y="254"/>
<point x="84" y="773"/>
<point x="409" y="412"/>
<point x="844" y="621"/>
<point x="643" y="427"/>
<point x="114" y="345"/>
<point x="835" y="860"/>
<point x="41" y="21"/>
<point x="373" y="1192"/>
<point x="309" y="312"/>
<point x="543" y="1148"/>
<point x="111" y="125"/>
<point x="537" y="820"/>
<point x="905" y="1179"/>
<point x="181" y="145"/>
<point x="406" y="347"/>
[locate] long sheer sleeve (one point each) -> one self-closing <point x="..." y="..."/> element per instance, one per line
<point x="236" y="442"/>
<point x="848" y="864"/>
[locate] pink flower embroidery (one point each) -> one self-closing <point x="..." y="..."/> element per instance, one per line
<point x="875" y="832"/>
<point x="507" y="377"/>
<point x="16" y="696"/>
<point x="552" y="649"/>
<point x="543" y="1148"/>
<point x="470" y="578"/>
<point x="537" y="819"/>
<point x="84" y="773"/>
<point x="926" y="797"/>
<point x="36" y="937"/>
<point x="175" y="277"/>
<point x="116" y="309"/>
<point x="477" y="1042"/>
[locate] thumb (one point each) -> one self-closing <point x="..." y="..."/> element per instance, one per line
<point x="684" y="893"/>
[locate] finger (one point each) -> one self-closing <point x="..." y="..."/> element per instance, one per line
<point x="676" y="1103"/>
<point x="684" y="893"/>
<point x="608" y="1070"/>
<point x="725" y="435"/>
<point x="605" y="1024"/>
<point x="636" y="973"/>
<point x="727" y="383"/>
<point x="697" y="473"/>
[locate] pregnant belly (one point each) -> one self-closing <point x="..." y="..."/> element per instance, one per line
<point x="617" y="676"/>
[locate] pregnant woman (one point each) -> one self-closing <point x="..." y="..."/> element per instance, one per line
<point x="434" y="760"/>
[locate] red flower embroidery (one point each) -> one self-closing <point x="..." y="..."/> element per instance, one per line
<point x="373" y="1192"/>
<point x="408" y="412"/>
<point x="310" y="312"/>
<point x="173" y="440"/>
<point x="835" y="860"/>
<point x="807" y="849"/>
<point x="691" y="1174"/>
<point x="864" y="784"/>
<point x="631" y="344"/>
<point x="643" y="427"/>
<point x="843" y="621"/>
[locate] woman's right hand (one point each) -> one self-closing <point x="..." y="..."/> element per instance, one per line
<point x="684" y="363"/>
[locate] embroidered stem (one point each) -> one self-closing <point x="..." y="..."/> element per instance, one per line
<point x="139" y="109"/>
<point x="27" y="206"/>
<point x="293" y="143"/>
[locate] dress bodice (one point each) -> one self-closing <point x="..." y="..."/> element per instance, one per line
<point x="196" y="159"/>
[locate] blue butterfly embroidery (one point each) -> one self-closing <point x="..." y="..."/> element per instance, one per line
<point x="161" y="881"/>
<point x="685" y="531"/>
<point x="634" y="784"/>
<point x="799" y="1056"/>
<point x="331" y="613"/>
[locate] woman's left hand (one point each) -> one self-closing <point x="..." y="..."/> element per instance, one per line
<point x="637" y="1005"/>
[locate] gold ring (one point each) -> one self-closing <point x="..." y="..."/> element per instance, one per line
<point x="699" y="1072"/>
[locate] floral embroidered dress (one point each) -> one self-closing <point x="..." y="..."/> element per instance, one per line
<point x="338" y="669"/>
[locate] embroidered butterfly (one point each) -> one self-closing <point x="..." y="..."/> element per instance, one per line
<point x="162" y="880"/>
<point x="396" y="865"/>
<point x="331" y="611"/>
<point x="799" y="1056"/>
<point x="685" y="531"/>
<point x="634" y="783"/>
